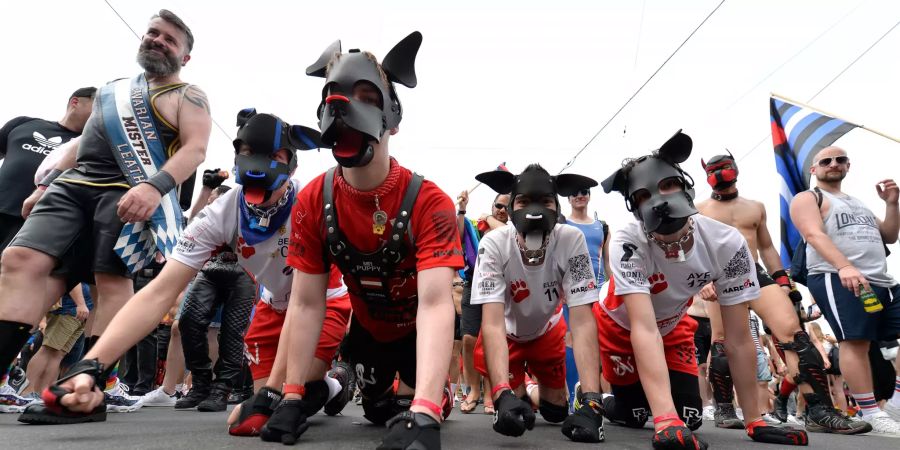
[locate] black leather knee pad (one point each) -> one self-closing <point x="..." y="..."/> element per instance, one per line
<point x="380" y="410"/>
<point x="627" y="406"/>
<point x="811" y="367"/>
<point x="553" y="413"/>
<point x="720" y="374"/>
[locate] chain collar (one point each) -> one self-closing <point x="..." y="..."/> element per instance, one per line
<point x="265" y="214"/>
<point x="675" y="249"/>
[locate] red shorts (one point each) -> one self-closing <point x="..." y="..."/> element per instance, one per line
<point x="261" y="340"/>
<point x="544" y="356"/>
<point x="617" y="355"/>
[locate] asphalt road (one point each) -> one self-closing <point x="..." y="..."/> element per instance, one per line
<point x="165" y="428"/>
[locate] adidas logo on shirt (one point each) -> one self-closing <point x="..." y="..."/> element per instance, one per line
<point x="46" y="145"/>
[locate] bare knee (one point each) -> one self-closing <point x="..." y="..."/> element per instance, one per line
<point x="23" y="260"/>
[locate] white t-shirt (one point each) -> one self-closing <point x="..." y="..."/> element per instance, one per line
<point x="217" y="225"/>
<point x="719" y="254"/>
<point x="533" y="295"/>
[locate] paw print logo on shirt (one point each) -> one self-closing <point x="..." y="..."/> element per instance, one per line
<point x="658" y="283"/>
<point x="245" y="250"/>
<point x="519" y="290"/>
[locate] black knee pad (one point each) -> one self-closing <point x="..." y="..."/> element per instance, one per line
<point x="686" y="397"/>
<point x="720" y="374"/>
<point x="380" y="410"/>
<point x="553" y="413"/>
<point x="628" y="406"/>
<point x="811" y="367"/>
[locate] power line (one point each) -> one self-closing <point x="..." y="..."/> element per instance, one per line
<point x="572" y="161"/>
<point x="139" y="38"/>
<point x="830" y="82"/>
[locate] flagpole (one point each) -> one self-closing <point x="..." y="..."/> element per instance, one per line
<point x="799" y="103"/>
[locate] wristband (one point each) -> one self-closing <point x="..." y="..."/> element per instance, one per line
<point x="50" y="177"/>
<point x="781" y="277"/>
<point x="670" y="416"/>
<point x="499" y="388"/>
<point x="295" y="389"/>
<point x="162" y="181"/>
<point x="41" y="187"/>
<point x="461" y="212"/>
<point x="431" y="406"/>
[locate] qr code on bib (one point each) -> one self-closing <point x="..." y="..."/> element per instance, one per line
<point x="581" y="268"/>
<point x="739" y="264"/>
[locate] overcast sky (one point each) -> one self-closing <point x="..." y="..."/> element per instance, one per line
<point x="516" y="81"/>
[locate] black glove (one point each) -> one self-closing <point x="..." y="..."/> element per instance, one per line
<point x="512" y="416"/>
<point x="677" y="437"/>
<point x="586" y="424"/>
<point x="287" y="423"/>
<point x="214" y="178"/>
<point x="255" y="412"/>
<point x="411" y="430"/>
<point x="778" y="435"/>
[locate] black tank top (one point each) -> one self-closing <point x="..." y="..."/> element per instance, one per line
<point x="96" y="163"/>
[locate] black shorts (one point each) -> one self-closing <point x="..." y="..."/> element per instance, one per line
<point x="763" y="277"/>
<point x="9" y="226"/>
<point x="70" y="213"/>
<point x="378" y="363"/>
<point x="702" y="338"/>
<point x="845" y="313"/>
<point x="471" y="314"/>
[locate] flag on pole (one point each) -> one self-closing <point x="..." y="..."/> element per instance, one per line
<point x="798" y="133"/>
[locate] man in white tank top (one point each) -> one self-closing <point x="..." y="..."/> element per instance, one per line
<point x="846" y="258"/>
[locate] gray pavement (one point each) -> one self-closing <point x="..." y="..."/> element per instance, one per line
<point x="165" y="428"/>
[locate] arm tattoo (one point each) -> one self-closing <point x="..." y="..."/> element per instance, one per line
<point x="194" y="95"/>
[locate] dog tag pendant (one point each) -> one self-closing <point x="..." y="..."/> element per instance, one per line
<point x="379" y="219"/>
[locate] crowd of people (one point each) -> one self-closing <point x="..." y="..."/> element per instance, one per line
<point x="286" y="297"/>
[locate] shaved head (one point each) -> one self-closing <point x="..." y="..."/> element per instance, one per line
<point x="832" y="150"/>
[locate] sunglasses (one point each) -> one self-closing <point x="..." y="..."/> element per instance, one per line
<point x="582" y="192"/>
<point x="825" y="162"/>
<point x="499" y="206"/>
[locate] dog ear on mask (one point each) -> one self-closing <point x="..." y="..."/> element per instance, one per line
<point x="615" y="182"/>
<point x="677" y="149"/>
<point x="569" y="183"/>
<point x="400" y="62"/>
<point x="317" y="69"/>
<point x="244" y="115"/>
<point x="500" y="181"/>
<point x="305" y="138"/>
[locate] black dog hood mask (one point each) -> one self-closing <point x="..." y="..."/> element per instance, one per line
<point x="661" y="213"/>
<point x="265" y="134"/>
<point x="348" y="125"/>
<point x="534" y="221"/>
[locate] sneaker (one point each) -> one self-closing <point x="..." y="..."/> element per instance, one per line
<point x="780" y="412"/>
<point x="192" y="398"/>
<point x="739" y="413"/>
<point x="793" y="420"/>
<point x="11" y="402"/>
<point x="883" y="425"/>
<point x="823" y="419"/>
<point x="770" y="420"/>
<point x="123" y="390"/>
<point x="238" y="397"/>
<point x="726" y="417"/>
<point x="158" y="397"/>
<point x="577" y="402"/>
<point x="347" y="377"/>
<point x="217" y="399"/>
<point x="709" y="412"/>
<point x="893" y="411"/>
<point x="17" y="379"/>
<point x="118" y="401"/>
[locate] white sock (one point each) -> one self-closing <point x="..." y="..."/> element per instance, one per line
<point x="895" y="399"/>
<point x="334" y="387"/>
<point x="179" y="387"/>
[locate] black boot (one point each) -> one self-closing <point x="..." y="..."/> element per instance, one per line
<point x="202" y="381"/>
<point x="217" y="399"/>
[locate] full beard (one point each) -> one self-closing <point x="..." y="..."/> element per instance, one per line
<point x="157" y="64"/>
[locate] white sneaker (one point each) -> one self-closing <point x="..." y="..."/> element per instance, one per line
<point x="740" y="413"/>
<point x="893" y="411"/>
<point x="883" y="424"/>
<point x="118" y="400"/>
<point x="708" y="412"/>
<point x="771" y="420"/>
<point x="158" y="397"/>
<point x="10" y="402"/>
<point x="793" y="420"/>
